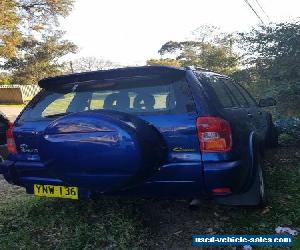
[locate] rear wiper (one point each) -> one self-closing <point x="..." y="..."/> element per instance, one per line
<point x="57" y="115"/>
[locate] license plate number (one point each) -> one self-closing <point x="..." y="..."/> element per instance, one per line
<point x="56" y="191"/>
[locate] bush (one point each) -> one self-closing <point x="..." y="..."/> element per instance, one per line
<point x="289" y="130"/>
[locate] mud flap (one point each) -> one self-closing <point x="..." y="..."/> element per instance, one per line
<point x="250" y="198"/>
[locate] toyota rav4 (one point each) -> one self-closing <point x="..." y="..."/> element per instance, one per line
<point x="149" y="131"/>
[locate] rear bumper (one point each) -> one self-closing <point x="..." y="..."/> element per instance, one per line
<point x="172" y="180"/>
<point x="214" y="175"/>
<point x="5" y="167"/>
<point x="12" y="172"/>
<point x="224" y="175"/>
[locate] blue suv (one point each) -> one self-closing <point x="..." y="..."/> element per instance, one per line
<point x="151" y="131"/>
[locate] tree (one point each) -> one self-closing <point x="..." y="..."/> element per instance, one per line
<point x="22" y="18"/>
<point x="30" y="44"/>
<point x="164" y="61"/>
<point x="274" y="51"/>
<point x="39" y="59"/>
<point x="208" y="49"/>
<point x="5" y="78"/>
<point x="217" y="58"/>
<point x="272" y="61"/>
<point x="91" y="63"/>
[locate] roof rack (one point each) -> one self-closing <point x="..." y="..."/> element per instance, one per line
<point x="196" y="68"/>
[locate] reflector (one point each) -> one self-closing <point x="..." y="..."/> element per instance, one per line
<point x="222" y="190"/>
<point x="10" y="140"/>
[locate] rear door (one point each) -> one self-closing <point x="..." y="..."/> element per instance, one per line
<point x="170" y="109"/>
<point x="72" y="131"/>
<point x="42" y="110"/>
<point x="260" y="117"/>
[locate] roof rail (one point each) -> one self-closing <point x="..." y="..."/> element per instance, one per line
<point x="196" y="68"/>
<point x="190" y="67"/>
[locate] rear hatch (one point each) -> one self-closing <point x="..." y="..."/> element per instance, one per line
<point x="64" y="120"/>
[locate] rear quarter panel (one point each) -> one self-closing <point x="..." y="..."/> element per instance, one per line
<point x="239" y="156"/>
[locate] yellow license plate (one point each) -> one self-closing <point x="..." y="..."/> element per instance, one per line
<point x="56" y="191"/>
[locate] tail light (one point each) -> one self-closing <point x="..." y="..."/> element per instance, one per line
<point x="10" y="140"/>
<point x="223" y="190"/>
<point x="214" y="134"/>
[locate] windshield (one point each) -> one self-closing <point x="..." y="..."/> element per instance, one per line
<point x="144" y="97"/>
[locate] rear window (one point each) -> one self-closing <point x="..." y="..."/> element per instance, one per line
<point x="126" y="95"/>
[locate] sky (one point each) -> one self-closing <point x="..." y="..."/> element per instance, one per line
<point x="129" y="32"/>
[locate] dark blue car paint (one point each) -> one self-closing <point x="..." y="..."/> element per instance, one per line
<point x="185" y="172"/>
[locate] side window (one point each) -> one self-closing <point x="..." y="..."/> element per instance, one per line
<point x="236" y="93"/>
<point x="222" y="93"/>
<point x="246" y="94"/>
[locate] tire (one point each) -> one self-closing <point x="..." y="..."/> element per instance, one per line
<point x="260" y="183"/>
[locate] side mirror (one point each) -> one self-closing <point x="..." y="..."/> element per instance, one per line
<point x="267" y="102"/>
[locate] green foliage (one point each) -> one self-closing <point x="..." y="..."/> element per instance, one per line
<point x="5" y="78"/>
<point x="215" y="57"/>
<point x="208" y="49"/>
<point x="39" y="58"/>
<point x="10" y="34"/>
<point x="22" y="18"/>
<point x="274" y="50"/>
<point x="282" y="179"/>
<point x="164" y="61"/>
<point x="286" y="139"/>
<point x="289" y="130"/>
<point x="30" y="45"/>
<point x="32" y="223"/>
<point x="272" y="61"/>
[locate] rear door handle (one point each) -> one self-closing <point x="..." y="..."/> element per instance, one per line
<point x="249" y="115"/>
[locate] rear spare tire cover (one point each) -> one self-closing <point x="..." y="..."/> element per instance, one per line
<point x="102" y="150"/>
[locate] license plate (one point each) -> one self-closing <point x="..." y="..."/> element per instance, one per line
<point x="56" y="191"/>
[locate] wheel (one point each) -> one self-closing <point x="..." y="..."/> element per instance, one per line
<point x="260" y="182"/>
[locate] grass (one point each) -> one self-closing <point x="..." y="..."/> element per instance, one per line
<point x="283" y="183"/>
<point x="28" y="222"/>
<point x="31" y="223"/>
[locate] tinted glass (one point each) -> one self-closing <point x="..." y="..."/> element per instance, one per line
<point x="248" y="97"/>
<point x="223" y="94"/>
<point x="236" y="93"/>
<point x="131" y="97"/>
<point x="60" y="105"/>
